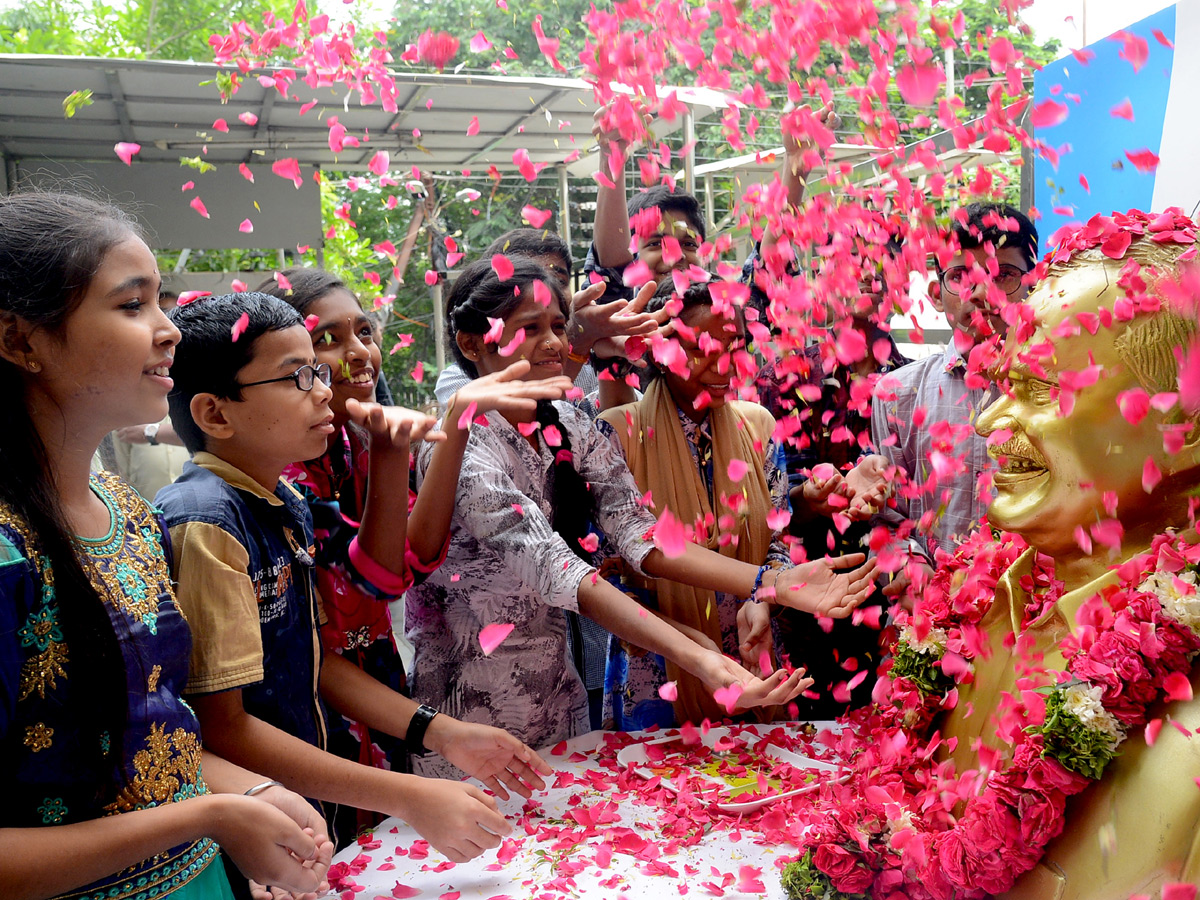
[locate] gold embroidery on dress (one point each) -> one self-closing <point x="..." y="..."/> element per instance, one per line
<point x="152" y="681"/>
<point x="168" y="767"/>
<point x="38" y="737"/>
<point x="40" y="671"/>
<point x="130" y="569"/>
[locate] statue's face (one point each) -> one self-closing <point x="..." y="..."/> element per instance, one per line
<point x="1058" y="472"/>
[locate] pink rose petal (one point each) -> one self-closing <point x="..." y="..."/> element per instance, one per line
<point x="492" y="636"/>
<point x="125" y="151"/>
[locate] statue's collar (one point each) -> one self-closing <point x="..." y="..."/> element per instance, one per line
<point x="1068" y="604"/>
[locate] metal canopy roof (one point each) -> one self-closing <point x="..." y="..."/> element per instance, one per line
<point x="169" y="109"/>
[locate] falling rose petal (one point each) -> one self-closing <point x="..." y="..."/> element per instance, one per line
<point x="473" y="129"/>
<point x="436" y="48"/>
<point x="187" y="186"/>
<point x="1135" y="49"/>
<point x="492" y="636"/>
<point x="1153" y="727"/>
<point x="246" y="173"/>
<point x="246" y="227"/>
<point x="480" y="43"/>
<point x="737" y="469"/>
<point x="310" y="322"/>
<point x="542" y="294"/>
<point x="379" y="162"/>
<point x="518" y="509"/>
<point x="728" y="696"/>
<point x="237" y="285"/>
<point x="220" y="125"/>
<point x="288" y="168"/>
<point x="198" y="205"/>
<point x="403" y="891"/>
<point x="1162" y="38"/>
<point x="534" y="216"/>
<point x="778" y="519"/>
<point x="1134" y="405"/>
<point x="750" y="880"/>
<point x="1048" y="113"/>
<point x="418" y="372"/>
<point x="1177" y="686"/>
<point x="240" y="326"/>
<point x="190" y="296"/>
<point x="764" y="664"/>
<point x="431" y="277"/>
<point x="552" y="436"/>
<point x="125" y="151"/>
<point x="464" y="421"/>
<point x="1178" y="891"/>
<point x="502" y="266"/>
<point x="495" y="331"/>
<point x="1123" y="110"/>
<point x="1144" y="161"/>
<point x="669" y="691"/>
<point x="514" y="345"/>
<point x="669" y="535"/>
<point x="1151" y="475"/>
<point x="249" y="118"/>
<point x="590" y="543"/>
<point x="919" y="85"/>
<point x="450" y="895"/>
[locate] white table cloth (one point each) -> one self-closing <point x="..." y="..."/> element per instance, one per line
<point x="595" y="832"/>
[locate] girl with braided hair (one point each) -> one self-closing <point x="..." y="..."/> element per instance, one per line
<point x="520" y="548"/>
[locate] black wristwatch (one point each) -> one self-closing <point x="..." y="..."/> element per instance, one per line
<point x="150" y="432"/>
<point x="414" y="738"/>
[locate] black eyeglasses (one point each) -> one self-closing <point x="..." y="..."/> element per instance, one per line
<point x="1008" y="278"/>
<point x="304" y="377"/>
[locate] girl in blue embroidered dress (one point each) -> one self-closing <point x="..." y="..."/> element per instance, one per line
<point x="93" y="651"/>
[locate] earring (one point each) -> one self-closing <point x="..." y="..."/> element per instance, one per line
<point x="34" y="366"/>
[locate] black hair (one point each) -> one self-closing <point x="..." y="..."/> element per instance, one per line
<point x="479" y="294"/>
<point x="530" y="242"/>
<point x="698" y="293"/>
<point x="667" y="200"/>
<point x="980" y="224"/>
<point x="51" y="246"/>
<point x="208" y="359"/>
<point x="307" y="286"/>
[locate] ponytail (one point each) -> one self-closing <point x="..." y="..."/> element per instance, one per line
<point x="571" y="502"/>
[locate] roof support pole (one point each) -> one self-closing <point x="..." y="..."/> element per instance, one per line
<point x="564" y="206"/>
<point x="710" y="203"/>
<point x="689" y="156"/>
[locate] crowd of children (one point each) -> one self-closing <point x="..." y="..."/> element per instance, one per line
<point x="253" y="602"/>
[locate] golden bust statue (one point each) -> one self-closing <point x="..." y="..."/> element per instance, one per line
<point x="1069" y="461"/>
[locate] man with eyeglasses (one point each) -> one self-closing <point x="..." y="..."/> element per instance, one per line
<point x="923" y="420"/>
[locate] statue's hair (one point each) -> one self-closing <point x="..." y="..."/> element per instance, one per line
<point x="1147" y="346"/>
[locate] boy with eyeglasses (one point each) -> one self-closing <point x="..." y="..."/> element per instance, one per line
<point x="249" y="400"/>
<point x="923" y="420"/>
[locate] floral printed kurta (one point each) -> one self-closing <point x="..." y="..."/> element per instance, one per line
<point x="506" y="565"/>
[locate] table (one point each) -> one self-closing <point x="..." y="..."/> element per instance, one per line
<point x="598" y="831"/>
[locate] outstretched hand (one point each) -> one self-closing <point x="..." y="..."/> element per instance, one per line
<point x="505" y="392"/>
<point x="733" y="686"/>
<point x="493" y="756"/>
<point x="827" y="587"/>
<point x="393" y="427"/>
<point x="867" y="487"/>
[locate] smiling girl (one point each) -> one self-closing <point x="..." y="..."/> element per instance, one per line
<point x="520" y="549"/>
<point x="375" y="536"/>
<point x="93" y="650"/>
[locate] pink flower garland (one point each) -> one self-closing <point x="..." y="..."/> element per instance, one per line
<point x="892" y="831"/>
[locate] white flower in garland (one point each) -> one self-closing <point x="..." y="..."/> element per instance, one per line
<point x="1178" y="594"/>
<point x="933" y="644"/>
<point x="1086" y="703"/>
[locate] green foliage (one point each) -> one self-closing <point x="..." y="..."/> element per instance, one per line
<point x="919" y="668"/>
<point x="1066" y="739"/>
<point x="801" y="880"/>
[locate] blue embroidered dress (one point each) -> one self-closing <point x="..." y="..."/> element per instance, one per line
<point x="51" y="776"/>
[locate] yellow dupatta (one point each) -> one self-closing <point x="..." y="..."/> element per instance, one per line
<point x="660" y="459"/>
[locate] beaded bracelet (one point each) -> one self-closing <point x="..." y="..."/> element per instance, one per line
<point x="762" y="570"/>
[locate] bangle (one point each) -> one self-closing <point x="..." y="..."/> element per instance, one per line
<point x="414" y="737"/>
<point x="259" y="788"/>
<point x="757" y="583"/>
<point x="577" y="357"/>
